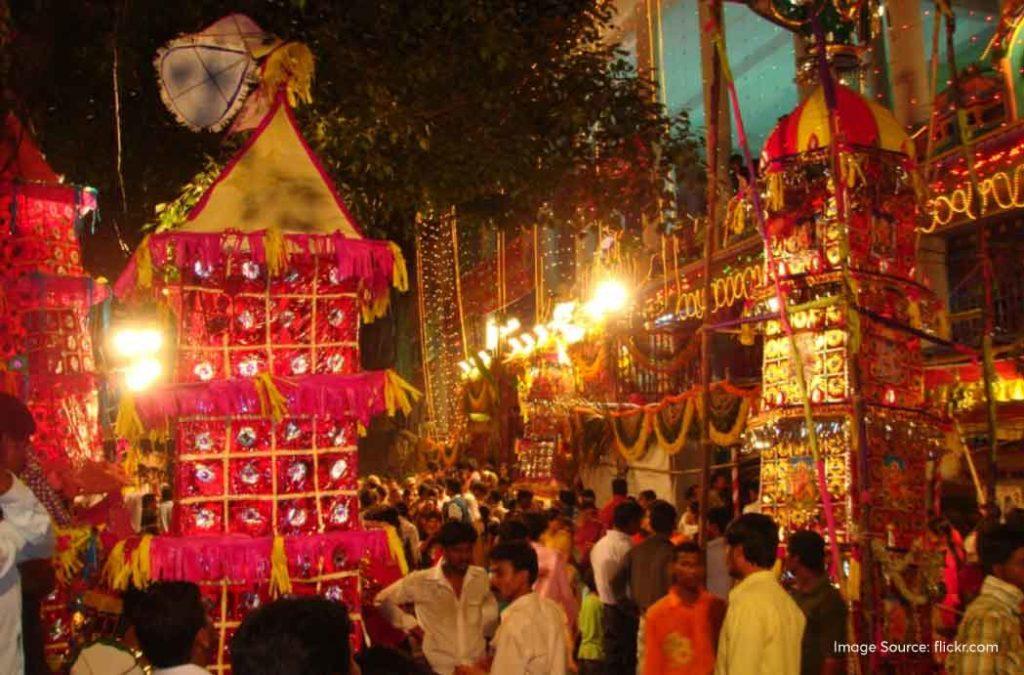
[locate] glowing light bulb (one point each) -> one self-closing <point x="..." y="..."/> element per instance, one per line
<point x="142" y="374"/>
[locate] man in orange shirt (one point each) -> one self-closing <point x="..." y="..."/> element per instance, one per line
<point x="682" y="628"/>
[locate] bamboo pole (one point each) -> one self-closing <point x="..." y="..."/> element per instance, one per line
<point x="715" y="114"/>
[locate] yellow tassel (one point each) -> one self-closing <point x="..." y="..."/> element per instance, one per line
<point x="275" y="251"/>
<point x="140" y="562"/>
<point x="397" y="552"/>
<point x="114" y="572"/>
<point x="272" y="402"/>
<point x="747" y="335"/>
<point x="775" y="190"/>
<point x="400" y="273"/>
<point x="128" y="425"/>
<point x="399" y="394"/>
<point x="280" y="582"/>
<point x="67" y="561"/>
<point x="290" y="66"/>
<point x="144" y="265"/>
<point x="914" y="314"/>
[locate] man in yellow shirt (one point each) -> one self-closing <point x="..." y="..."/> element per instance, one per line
<point x="763" y="625"/>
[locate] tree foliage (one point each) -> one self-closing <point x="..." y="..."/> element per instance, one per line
<point x="508" y="109"/>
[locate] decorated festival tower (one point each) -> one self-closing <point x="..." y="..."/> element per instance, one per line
<point x="841" y="210"/>
<point x="45" y="296"/>
<point x="266" y="282"/>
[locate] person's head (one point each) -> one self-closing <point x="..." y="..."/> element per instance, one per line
<point x="367" y="497"/>
<point x="720" y="481"/>
<point x="430" y="522"/>
<point x="166" y="494"/>
<point x="990" y="511"/>
<point x="294" y="636"/>
<point x="149" y="502"/>
<point x="753" y="539"/>
<point x="478" y="489"/>
<point x="718" y="520"/>
<point x="524" y="500"/>
<point x="620" y="488"/>
<point x="383" y="514"/>
<point x="457" y="539"/>
<point x="382" y="494"/>
<point x="805" y="554"/>
<point x="1001" y="550"/>
<point x="688" y="567"/>
<point x="588" y="499"/>
<point x="453" y="486"/>
<point x="16" y="428"/>
<point x="567" y="499"/>
<point x="536" y="524"/>
<point x="423" y="490"/>
<point x="171" y="624"/>
<point x="662" y="517"/>
<point x="380" y="660"/>
<point x="691" y="494"/>
<point x="646" y="498"/>
<point x="627" y="517"/>
<point x="513" y="569"/>
<point x="512" y="529"/>
<point x="494" y="498"/>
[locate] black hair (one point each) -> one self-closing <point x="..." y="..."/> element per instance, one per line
<point x="649" y="495"/>
<point x="455" y="532"/>
<point x="494" y="496"/>
<point x="524" y="495"/>
<point x="477" y="488"/>
<point x="758" y="535"/>
<point x="381" y="660"/>
<point x="808" y="547"/>
<point x="627" y="513"/>
<point x="536" y="524"/>
<point x="587" y="493"/>
<point x="15" y="418"/>
<point x="453" y="486"/>
<point x="383" y="514"/>
<point x="294" y="636"/>
<point x="567" y="497"/>
<point x="520" y="555"/>
<point x="367" y="497"/>
<point x="997" y="544"/>
<point x="168" y="616"/>
<point x="166" y="494"/>
<point x="686" y="547"/>
<point x="512" y="530"/>
<point x="620" y="487"/>
<point x="720" y="517"/>
<point x="588" y="579"/>
<point x="663" y="517"/>
<point x="422" y="490"/>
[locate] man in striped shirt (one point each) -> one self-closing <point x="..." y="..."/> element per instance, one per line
<point x="989" y="641"/>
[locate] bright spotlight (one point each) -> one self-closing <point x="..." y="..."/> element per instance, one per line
<point x="133" y="342"/>
<point x="511" y="326"/>
<point x="492" y="335"/>
<point x="142" y="374"/>
<point x="610" y="296"/>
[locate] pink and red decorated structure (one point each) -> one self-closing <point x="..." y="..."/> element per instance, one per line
<point x="45" y="295"/>
<point x="842" y="208"/>
<point x="266" y="282"/>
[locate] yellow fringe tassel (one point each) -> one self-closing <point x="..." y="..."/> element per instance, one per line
<point x="143" y="265"/>
<point x="397" y="552"/>
<point x="399" y="394"/>
<point x="67" y="561"/>
<point x="274" y="248"/>
<point x="117" y="571"/>
<point x="140" y="566"/>
<point x="400" y="273"/>
<point x="272" y="402"/>
<point x="852" y="582"/>
<point x="128" y="425"/>
<point x="280" y="582"/>
<point x="290" y="66"/>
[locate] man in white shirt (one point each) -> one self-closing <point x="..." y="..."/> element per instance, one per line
<point x="172" y="628"/>
<point x="763" y="626"/>
<point x="454" y="606"/>
<point x="607" y="557"/>
<point x="718" y="581"/>
<point x="26" y="531"/>
<point x="531" y="639"/>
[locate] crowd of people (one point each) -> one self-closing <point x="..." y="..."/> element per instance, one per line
<point x="503" y="581"/>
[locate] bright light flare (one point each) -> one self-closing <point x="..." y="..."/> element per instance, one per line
<point x="134" y="342"/>
<point x="610" y="296"/>
<point x="143" y="374"/>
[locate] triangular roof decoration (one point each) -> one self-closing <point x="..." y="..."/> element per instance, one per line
<point x="20" y="157"/>
<point x="275" y="181"/>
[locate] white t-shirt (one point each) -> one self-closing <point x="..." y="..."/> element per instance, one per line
<point x="531" y="639"/>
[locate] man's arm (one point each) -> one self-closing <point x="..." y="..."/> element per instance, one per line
<point x="489" y="615"/>
<point x="654" y="659"/>
<point x="26" y="525"/>
<point x="833" y="632"/>
<point x="388" y="601"/>
<point x="717" y="617"/>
